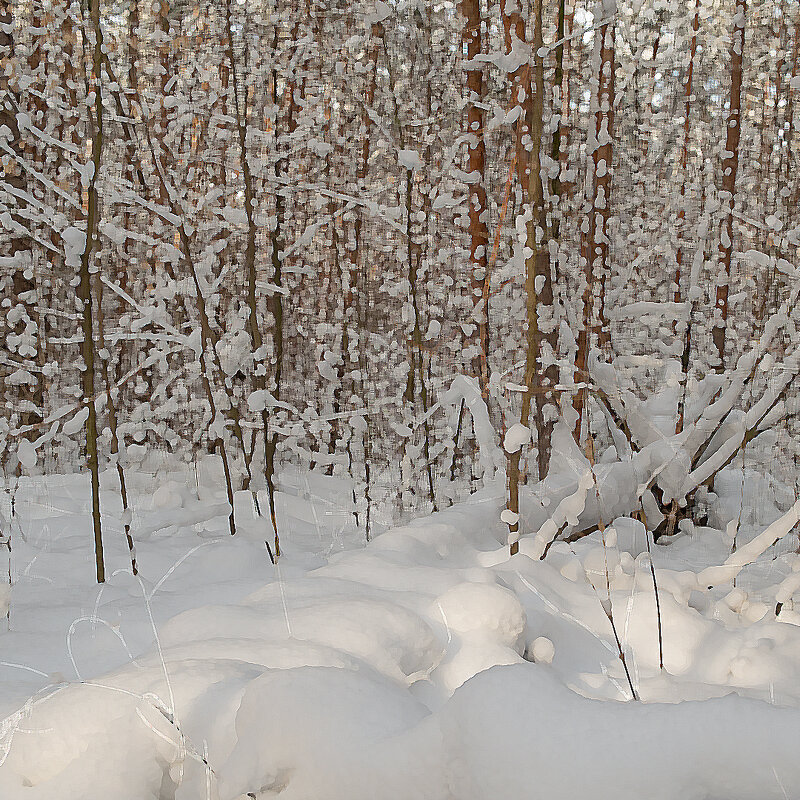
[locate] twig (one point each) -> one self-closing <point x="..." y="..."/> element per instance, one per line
<point x="658" y="602"/>
<point x="607" y="606"/>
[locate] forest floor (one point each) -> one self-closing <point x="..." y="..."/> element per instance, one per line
<point x="424" y="664"/>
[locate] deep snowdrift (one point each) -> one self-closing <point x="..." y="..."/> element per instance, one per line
<point x="425" y="665"/>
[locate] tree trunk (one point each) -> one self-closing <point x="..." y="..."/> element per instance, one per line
<point x="478" y="205"/>
<point x="360" y="273"/>
<point x="558" y="150"/>
<point x="113" y="423"/>
<point x="254" y="327"/>
<point x="603" y="160"/>
<point x="22" y="289"/>
<point x="538" y="280"/>
<point x="208" y="340"/>
<point x="678" y="293"/>
<point x="595" y="242"/>
<point x="85" y="291"/>
<point x="276" y="304"/>
<point x="730" y="167"/>
<point x="792" y="93"/>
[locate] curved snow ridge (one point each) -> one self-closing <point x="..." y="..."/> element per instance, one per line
<point x="392" y="639"/>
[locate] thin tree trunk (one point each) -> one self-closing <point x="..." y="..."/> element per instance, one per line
<point x="687" y="93"/>
<point x="207" y="333"/>
<point x="341" y="278"/>
<point x="561" y="109"/>
<point x="112" y="423"/>
<point x="678" y="293"/>
<point x="207" y="336"/>
<point x="362" y="295"/>
<point x="595" y="242"/>
<point x="478" y="205"/>
<point x="603" y="159"/>
<point x="276" y="304"/>
<point x="780" y="67"/>
<point x="540" y="287"/>
<point x="256" y="339"/>
<point x="792" y="93"/>
<point x="22" y="291"/>
<point x="514" y="29"/>
<point x="730" y="167"/>
<point x="413" y="256"/>
<point x="537" y="262"/>
<point x="85" y="291"/>
<point x="415" y="368"/>
<point x="420" y="250"/>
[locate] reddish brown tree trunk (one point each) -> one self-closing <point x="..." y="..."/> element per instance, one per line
<point x="478" y="206"/>
<point x="791" y="95"/>
<point x="538" y="276"/>
<point x="27" y="393"/>
<point x="558" y="151"/>
<point x="595" y="241"/>
<point x="687" y="93"/>
<point x="603" y="158"/>
<point x="730" y="167"/>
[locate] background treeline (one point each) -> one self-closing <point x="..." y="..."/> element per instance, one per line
<point x="278" y="230"/>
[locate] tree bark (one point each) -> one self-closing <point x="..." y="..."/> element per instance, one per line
<point x="113" y="423"/>
<point x="276" y="304"/>
<point x="254" y="327"/>
<point x="23" y="355"/>
<point x="538" y="276"/>
<point x="85" y="291"/>
<point x="595" y="241"/>
<point x="478" y="204"/>
<point x="678" y="293"/>
<point x="730" y="167"/>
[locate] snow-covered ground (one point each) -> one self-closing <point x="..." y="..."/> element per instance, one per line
<point x="426" y="664"/>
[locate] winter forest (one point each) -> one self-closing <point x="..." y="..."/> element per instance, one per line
<point x="399" y="399"/>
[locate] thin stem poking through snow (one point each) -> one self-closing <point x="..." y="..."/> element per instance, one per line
<point x="647" y="535"/>
<point x="607" y="605"/>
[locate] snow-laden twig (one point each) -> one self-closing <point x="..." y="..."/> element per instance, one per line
<point x="748" y="553"/>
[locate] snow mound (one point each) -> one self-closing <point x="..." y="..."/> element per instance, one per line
<point x="428" y="664"/>
<point x="484" y="609"/>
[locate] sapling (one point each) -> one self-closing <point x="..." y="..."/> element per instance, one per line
<point x="80" y="251"/>
<point x="207" y="343"/>
<point x="5" y="541"/>
<point x="658" y="600"/>
<point x="256" y="339"/>
<point x="112" y="420"/>
<point x="13" y="522"/>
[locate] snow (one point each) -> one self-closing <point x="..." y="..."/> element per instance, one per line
<point x="74" y="244"/>
<point x="466" y="389"/>
<point x="543" y="650"/>
<point x="259" y="400"/>
<point x="426" y="664"/>
<point x="516" y="436"/>
<point x="434" y="329"/>
<point x="382" y="12"/>
<point x="76" y="422"/>
<point x="26" y="454"/>
<point x="509" y="517"/>
<point x="410" y="159"/>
